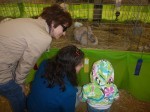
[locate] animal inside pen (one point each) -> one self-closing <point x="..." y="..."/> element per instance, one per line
<point x="124" y="27"/>
<point x="84" y="35"/>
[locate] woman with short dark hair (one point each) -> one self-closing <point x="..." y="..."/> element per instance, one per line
<point x="22" y="41"/>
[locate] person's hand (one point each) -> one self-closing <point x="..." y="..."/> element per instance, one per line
<point x="23" y="87"/>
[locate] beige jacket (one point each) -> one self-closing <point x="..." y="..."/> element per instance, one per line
<point x="22" y="41"/>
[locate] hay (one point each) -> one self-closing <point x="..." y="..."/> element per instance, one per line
<point x="128" y="103"/>
<point x="117" y="37"/>
<point x="4" y="105"/>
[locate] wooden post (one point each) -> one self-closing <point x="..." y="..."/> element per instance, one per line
<point x="98" y="6"/>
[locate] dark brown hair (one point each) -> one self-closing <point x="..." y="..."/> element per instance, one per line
<point x="63" y="64"/>
<point x="57" y="14"/>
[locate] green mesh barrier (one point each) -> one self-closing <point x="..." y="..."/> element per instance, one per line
<point x="80" y="11"/>
<point x="31" y="10"/>
<point x="124" y="64"/>
<point x="9" y="10"/>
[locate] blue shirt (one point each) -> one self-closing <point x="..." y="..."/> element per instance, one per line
<point x="44" y="99"/>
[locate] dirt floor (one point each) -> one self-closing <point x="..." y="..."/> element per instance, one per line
<point x="125" y="103"/>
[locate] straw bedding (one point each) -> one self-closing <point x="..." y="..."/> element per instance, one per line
<point x="115" y="37"/>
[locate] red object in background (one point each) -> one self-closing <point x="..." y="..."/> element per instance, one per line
<point x="35" y="67"/>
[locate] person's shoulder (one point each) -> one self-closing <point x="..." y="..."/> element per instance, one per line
<point x="44" y="62"/>
<point x="91" y="86"/>
<point x="24" y="19"/>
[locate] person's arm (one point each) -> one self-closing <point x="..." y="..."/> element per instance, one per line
<point x="68" y="105"/>
<point x="83" y="96"/>
<point x="67" y="99"/>
<point x="29" y="57"/>
<point x="36" y="45"/>
<point x="77" y="96"/>
<point x="25" y="64"/>
<point x="116" y="93"/>
<point x="91" y="91"/>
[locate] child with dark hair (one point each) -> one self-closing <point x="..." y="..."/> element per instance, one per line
<point x="54" y="87"/>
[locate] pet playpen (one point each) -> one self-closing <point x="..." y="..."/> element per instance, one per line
<point x="123" y="21"/>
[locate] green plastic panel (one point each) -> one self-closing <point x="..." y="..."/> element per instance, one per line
<point x="124" y="64"/>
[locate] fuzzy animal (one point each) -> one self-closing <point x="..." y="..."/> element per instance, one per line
<point x="85" y="36"/>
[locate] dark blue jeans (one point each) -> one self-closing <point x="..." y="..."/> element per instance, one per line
<point x="91" y="109"/>
<point x="13" y="92"/>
